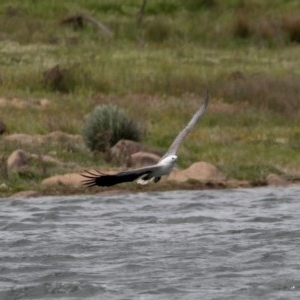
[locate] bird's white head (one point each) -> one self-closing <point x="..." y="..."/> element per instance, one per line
<point x="173" y="158"/>
<point x="169" y="160"/>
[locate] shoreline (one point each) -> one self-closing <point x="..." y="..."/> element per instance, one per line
<point x="63" y="190"/>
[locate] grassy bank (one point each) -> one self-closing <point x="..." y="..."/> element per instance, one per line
<point x="246" y="52"/>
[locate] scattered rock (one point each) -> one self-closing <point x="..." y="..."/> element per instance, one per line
<point x="21" y="104"/>
<point x="18" y="103"/>
<point x="46" y="159"/>
<point x="26" y="194"/>
<point x="205" y="171"/>
<point x="275" y="179"/>
<point x="201" y="171"/>
<point x="71" y="179"/>
<point x="123" y="149"/>
<point x="2" y="127"/>
<point x="44" y="103"/>
<point x="55" y="136"/>
<point x="62" y="137"/>
<point x="3" y="102"/>
<point x="3" y="187"/>
<point x="18" y="160"/>
<point x="22" y="138"/>
<point x="140" y="159"/>
<point x="235" y="183"/>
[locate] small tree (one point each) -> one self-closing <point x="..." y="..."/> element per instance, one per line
<point x="106" y="125"/>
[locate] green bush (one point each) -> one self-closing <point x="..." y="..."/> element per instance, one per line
<point x="106" y="125"/>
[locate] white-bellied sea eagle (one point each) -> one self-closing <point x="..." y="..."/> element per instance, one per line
<point x="150" y="173"/>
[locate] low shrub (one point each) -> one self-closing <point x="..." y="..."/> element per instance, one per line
<point x="106" y="125"/>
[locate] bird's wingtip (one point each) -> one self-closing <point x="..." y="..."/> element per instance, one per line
<point x="90" y="177"/>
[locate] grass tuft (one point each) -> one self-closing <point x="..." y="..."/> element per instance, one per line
<point x="106" y="125"/>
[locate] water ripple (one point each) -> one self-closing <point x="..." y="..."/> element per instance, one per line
<point x="223" y="244"/>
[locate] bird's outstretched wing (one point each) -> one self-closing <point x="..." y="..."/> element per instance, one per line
<point x="174" y="147"/>
<point x="146" y="173"/>
<point x="101" y="179"/>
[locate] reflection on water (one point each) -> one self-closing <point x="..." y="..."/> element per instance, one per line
<point x="229" y="244"/>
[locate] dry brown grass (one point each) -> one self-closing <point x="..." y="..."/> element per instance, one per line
<point x="279" y="95"/>
<point x="270" y="29"/>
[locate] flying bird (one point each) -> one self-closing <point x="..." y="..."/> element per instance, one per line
<point x="150" y="173"/>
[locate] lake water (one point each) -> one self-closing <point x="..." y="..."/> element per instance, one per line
<point x="212" y="244"/>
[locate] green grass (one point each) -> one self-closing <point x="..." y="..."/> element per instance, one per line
<point x="158" y="74"/>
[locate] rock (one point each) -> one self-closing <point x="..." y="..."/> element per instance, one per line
<point x="44" y="103"/>
<point x="4" y="102"/>
<point x="18" y="160"/>
<point x="23" y="104"/>
<point x="201" y="171"/>
<point x="46" y="159"/>
<point x="15" y="102"/>
<point x="26" y="194"/>
<point x="19" y="103"/>
<point x="55" y="136"/>
<point x="59" y="136"/>
<point x="21" y="138"/>
<point x="71" y="179"/>
<point x="123" y="149"/>
<point x="2" y="127"/>
<point x="235" y="183"/>
<point x="177" y="176"/>
<point x="275" y="179"/>
<point x="3" y="187"/>
<point x="140" y="159"/>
